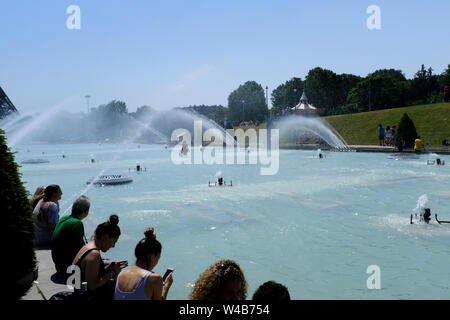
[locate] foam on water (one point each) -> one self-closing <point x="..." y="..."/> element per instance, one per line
<point x="400" y="223"/>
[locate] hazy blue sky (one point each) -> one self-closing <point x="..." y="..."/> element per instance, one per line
<point x="179" y="53"/>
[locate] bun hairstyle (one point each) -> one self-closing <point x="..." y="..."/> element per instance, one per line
<point x="147" y="245"/>
<point x="114" y="219"/>
<point x="150" y="234"/>
<point x="109" y="228"/>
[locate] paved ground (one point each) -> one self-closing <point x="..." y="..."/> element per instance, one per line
<point x="46" y="279"/>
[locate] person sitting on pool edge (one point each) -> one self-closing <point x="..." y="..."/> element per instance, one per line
<point x="68" y="237"/>
<point x="139" y="282"/>
<point x="426" y="216"/>
<point x="100" y="279"/>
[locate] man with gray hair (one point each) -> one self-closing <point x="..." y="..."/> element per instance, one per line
<point x="68" y="237"/>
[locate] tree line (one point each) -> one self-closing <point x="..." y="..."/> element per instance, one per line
<point x="331" y="93"/>
<point x="346" y="93"/>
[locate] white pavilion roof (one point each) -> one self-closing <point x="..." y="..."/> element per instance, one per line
<point x="303" y="104"/>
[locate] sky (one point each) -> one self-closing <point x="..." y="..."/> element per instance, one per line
<point x="169" y="54"/>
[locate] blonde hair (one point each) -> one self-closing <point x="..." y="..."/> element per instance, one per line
<point x="38" y="195"/>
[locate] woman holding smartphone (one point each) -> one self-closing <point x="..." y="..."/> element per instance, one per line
<point x="139" y="282"/>
<point x="100" y="278"/>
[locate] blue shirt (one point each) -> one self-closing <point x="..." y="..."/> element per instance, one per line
<point x="137" y="294"/>
<point x="49" y="214"/>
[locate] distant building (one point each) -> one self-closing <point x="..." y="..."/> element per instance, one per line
<point x="6" y="106"/>
<point x="303" y="107"/>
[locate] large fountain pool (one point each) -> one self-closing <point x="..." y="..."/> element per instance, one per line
<point x="316" y="226"/>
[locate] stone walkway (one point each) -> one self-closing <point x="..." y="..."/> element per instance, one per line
<point x="46" y="279"/>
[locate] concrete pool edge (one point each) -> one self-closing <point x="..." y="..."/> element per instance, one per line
<point x="362" y="148"/>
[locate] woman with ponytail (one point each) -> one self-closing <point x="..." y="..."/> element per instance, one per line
<point x="139" y="282"/>
<point x="100" y="278"/>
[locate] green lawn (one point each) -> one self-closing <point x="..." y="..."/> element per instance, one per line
<point x="432" y="123"/>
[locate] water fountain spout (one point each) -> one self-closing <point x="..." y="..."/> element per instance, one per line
<point x="307" y="126"/>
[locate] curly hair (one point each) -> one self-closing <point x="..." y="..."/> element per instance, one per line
<point x="212" y="280"/>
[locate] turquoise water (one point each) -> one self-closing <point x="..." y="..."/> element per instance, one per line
<point x="315" y="226"/>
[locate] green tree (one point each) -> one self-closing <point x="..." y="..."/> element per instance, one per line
<point x="286" y="95"/>
<point x="383" y="89"/>
<point x="406" y="132"/>
<point x="18" y="220"/>
<point x="445" y="77"/>
<point x="324" y="89"/>
<point x="348" y="82"/>
<point x="247" y="103"/>
<point x="116" y="107"/>
<point x="217" y="113"/>
<point x="424" y="84"/>
<point x="109" y="120"/>
<point x="142" y="112"/>
<point x="444" y="83"/>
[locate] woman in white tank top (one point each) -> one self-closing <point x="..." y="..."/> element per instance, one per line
<point x="139" y="282"/>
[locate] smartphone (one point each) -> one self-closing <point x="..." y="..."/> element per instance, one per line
<point x="168" y="271"/>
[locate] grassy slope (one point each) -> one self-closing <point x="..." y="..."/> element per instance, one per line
<point x="432" y="123"/>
